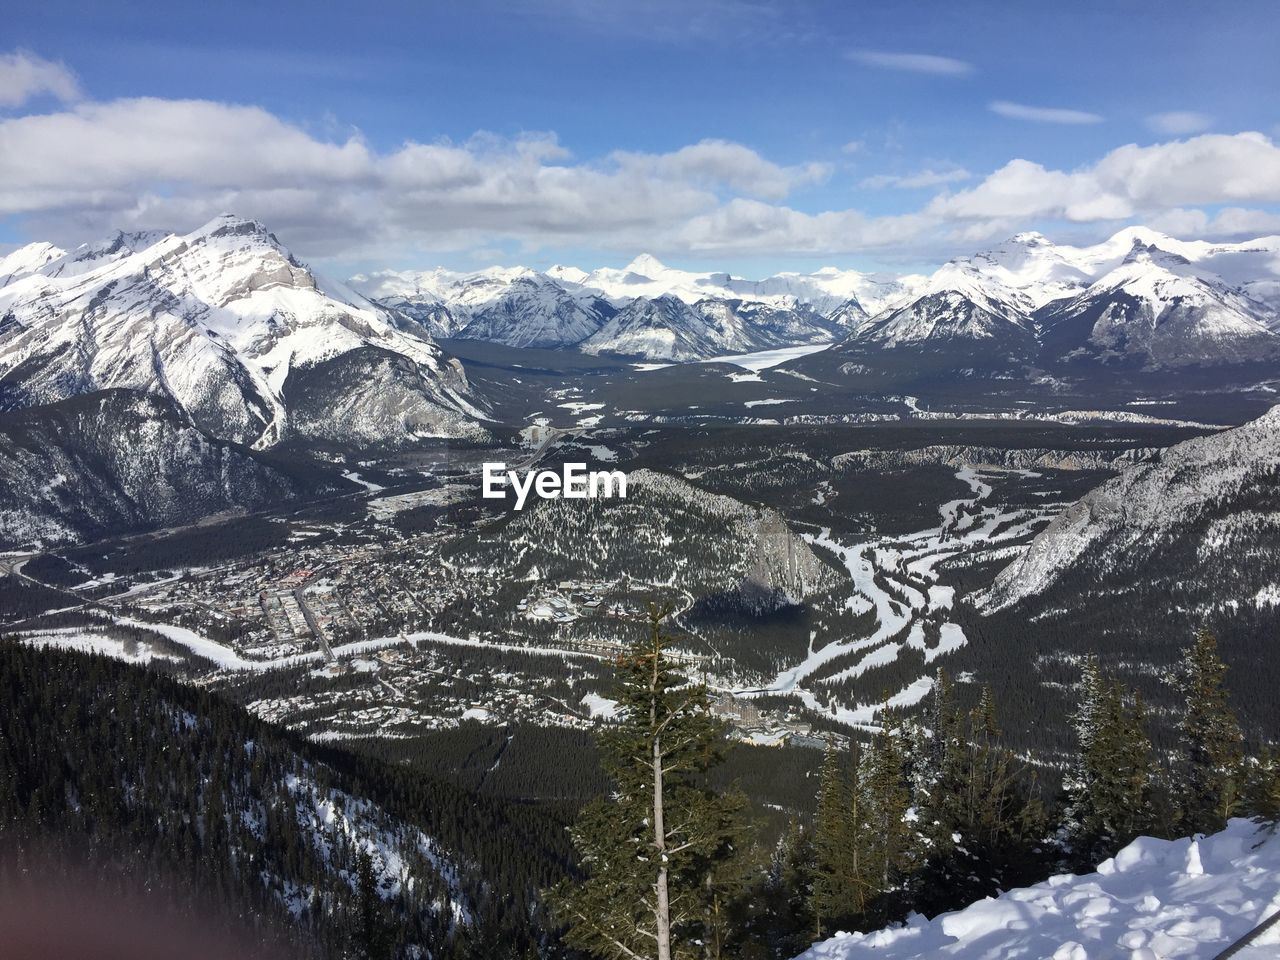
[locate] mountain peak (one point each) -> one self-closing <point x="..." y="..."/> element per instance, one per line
<point x="1130" y="236"/>
<point x="1144" y="252"/>
<point x="230" y="225"/>
<point x="646" y="265"/>
<point x="1030" y="238"/>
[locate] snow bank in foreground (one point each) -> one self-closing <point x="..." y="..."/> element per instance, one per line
<point x="1155" y="900"/>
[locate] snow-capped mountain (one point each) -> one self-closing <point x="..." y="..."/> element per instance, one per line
<point x="1160" y="308"/>
<point x="244" y="338"/>
<point x="90" y="256"/>
<point x="610" y="310"/>
<point x="665" y="328"/>
<point x="515" y="306"/>
<point x="1024" y="296"/>
<point x="532" y="310"/>
<point x="1139" y="296"/>
<point x="1206" y="512"/>
<point x="956" y="303"/>
<point x="27" y="260"/>
<point x="824" y="290"/>
<point x="1033" y="265"/>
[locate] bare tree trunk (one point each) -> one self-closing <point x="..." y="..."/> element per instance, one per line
<point x="662" y="903"/>
<point x="662" y="910"/>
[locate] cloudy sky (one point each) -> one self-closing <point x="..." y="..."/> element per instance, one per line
<point x="747" y="136"/>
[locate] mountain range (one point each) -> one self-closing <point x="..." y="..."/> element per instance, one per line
<point x="1139" y="297"/>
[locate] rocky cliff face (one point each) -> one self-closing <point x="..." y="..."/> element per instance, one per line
<point x="1206" y="511"/>
<point x="784" y="570"/>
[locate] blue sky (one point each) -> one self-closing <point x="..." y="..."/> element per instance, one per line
<point x="553" y="130"/>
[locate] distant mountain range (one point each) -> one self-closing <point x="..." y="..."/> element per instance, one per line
<point x="242" y="341"/>
<point x="1139" y="298"/>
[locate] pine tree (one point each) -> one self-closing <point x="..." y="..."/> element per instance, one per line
<point x="978" y="815"/>
<point x="728" y="867"/>
<point x="370" y="935"/>
<point x="1262" y="790"/>
<point x="939" y="773"/>
<point x="789" y="889"/>
<point x="1209" y="740"/>
<point x="886" y="799"/>
<point x="651" y="848"/>
<point x="833" y="887"/>
<point x="1110" y="786"/>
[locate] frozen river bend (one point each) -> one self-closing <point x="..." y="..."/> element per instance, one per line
<point x="896" y="578"/>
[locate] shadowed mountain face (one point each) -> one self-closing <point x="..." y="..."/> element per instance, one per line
<point x="122" y="460"/>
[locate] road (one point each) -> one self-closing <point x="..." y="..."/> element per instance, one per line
<point x="12" y="566"/>
<point x="315" y="627"/>
<point x="553" y="434"/>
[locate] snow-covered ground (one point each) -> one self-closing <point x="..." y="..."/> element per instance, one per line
<point x="599" y="706"/>
<point x="1155" y="900"/>
<point x="88" y="641"/>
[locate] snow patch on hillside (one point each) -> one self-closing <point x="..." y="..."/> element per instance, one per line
<point x="1154" y="899"/>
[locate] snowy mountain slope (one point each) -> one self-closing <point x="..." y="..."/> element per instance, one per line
<point x="762" y="326"/>
<point x="89" y="256"/>
<point x="1205" y="509"/>
<point x="514" y="306"/>
<point x="824" y="290"/>
<point x="535" y="311"/>
<point x="1160" y="309"/>
<point x="1139" y="294"/>
<point x="221" y="321"/>
<point x="66" y="475"/>
<point x="1032" y="264"/>
<point x="27" y="260"/>
<point x="302" y="835"/>
<point x="666" y="328"/>
<point x="957" y="303"/>
<point x="1047" y="271"/>
<point x="1155" y="900"/>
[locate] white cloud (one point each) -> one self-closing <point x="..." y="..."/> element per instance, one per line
<point x="1128" y="181"/>
<point x="24" y="76"/>
<point x="714" y="162"/>
<point x="911" y="62"/>
<point x="750" y="226"/>
<point x="86" y="170"/>
<point x="925" y="178"/>
<point x="1242" y="222"/>
<point x="175" y="163"/>
<point x="1179" y="122"/>
<point x="1020" y="111"/>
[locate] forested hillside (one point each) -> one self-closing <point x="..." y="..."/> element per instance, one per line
<point x="131" y="776"/>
